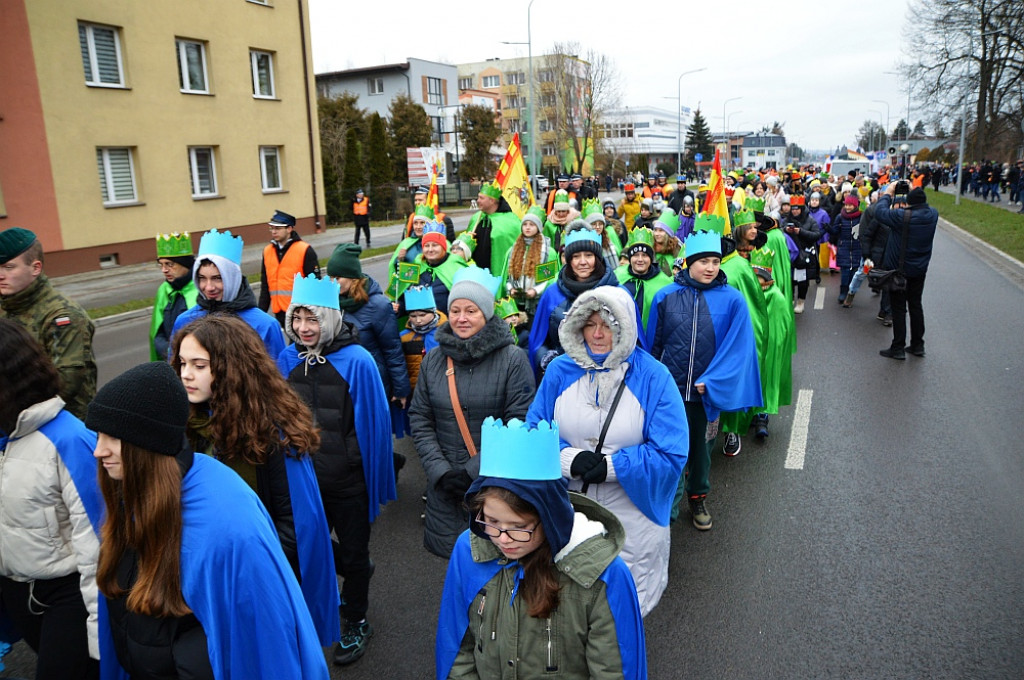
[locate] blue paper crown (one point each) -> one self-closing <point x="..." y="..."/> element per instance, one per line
<point x="478" y="275"/>
<point x="221" y="243"/>
<point x="419" y="297"/>
<point x="434" y="227"/>
<point x="703" y="242"/>
<point x="317" y="292"/>
<point x="582" y="235"/>
<point x="516" y="452"/>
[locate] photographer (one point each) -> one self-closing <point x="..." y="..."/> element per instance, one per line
<point x="920" y="235"/>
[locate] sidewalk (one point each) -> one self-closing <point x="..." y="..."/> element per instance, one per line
<point x="1004" y="203"/>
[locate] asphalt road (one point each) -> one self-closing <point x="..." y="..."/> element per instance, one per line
<point x="890" y="546"/>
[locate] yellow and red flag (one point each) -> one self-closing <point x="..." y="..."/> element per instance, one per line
<point x="513" y="180"/>
<point x="432" y="194"/>
<point x="715" y="202"/>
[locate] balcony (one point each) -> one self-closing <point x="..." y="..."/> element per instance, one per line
<point x="510" y="114"/>
<point x="509" y="89"/>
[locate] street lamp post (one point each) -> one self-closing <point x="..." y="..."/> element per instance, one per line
<point x="725" y="121"/>
<point x="458" y="160"/>
<point x="532" y="104"/>
<point x="679" y="116"/>
<point x="875" y="148"/>
<point x="887" y="121"/>
<point x="728" y="141"/>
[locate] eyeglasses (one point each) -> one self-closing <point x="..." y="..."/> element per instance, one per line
<point x="165" y="266"/>
<point x="517" y="535"/>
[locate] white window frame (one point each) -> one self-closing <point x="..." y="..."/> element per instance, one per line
<point x="264" y="175"/>
<point x="193" y="163"/>
<point x="181" y="48"/>
<point x="466" y="83"/>
<point x="375" y="86"/>
<point x="90" y="41"/>
<point x="107" y="184"/>
<point x="254" y="56"/>
<point x="435" y="98"/>
<point x="492" y="79"/>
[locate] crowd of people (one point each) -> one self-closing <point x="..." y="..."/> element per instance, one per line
<point x="565" y="377"/>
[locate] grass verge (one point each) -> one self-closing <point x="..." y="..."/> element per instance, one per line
<point x="996" y="226"/>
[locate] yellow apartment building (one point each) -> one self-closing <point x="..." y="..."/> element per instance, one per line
<point x="123" y="119"/>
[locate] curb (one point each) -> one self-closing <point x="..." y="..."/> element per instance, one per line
<point x="1010" y="267"/>
<point x="146" y="312"/>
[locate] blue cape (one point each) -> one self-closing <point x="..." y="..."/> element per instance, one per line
<point x="648" y="472"/>
<point x="372" y="415"/>
<point x="265" y="326"/>
<point x="316" y="555"/>
<point x="732" y="379"/>
<point x="466" y="577"/>
<point x="238" y="582"/>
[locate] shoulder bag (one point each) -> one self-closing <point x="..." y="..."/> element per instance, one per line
<point x="891" y="280"/>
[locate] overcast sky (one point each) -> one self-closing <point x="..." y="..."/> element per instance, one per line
<point x="816" y="70"/>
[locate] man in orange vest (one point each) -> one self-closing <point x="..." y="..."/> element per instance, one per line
<point x="361" y="215"/>
<point x="285" y="256"/>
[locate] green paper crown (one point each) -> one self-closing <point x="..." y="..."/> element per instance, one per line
<point x="505" y="307"/>
<point x="173" y="245"/>
<point x="667" y="221"/>
<point x="709" y="222"/>
<point x="491" y="190"/>
<point x="742" y="217"/>
<point x="754" y="204"/>
<point x="561" y="196"/>
<point x="640" y="236"/>
<point x="469" y="238"/>
<point x="592" y="206"/>
<point x="762" y="258"/>
<point x="425" y="211"/>
<point x="539" y="213"/>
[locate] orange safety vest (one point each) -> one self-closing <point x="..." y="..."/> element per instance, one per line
<point x="649" y="191"/>
<point x="551" y="199"/>
<point x="281" y="273"/>
<point x="361" y="207"/>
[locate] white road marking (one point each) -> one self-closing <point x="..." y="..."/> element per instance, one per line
<point x="798" y="432"/>
<point x="819" y="298"/>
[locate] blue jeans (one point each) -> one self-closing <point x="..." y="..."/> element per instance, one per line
<point x="858" y="278"/>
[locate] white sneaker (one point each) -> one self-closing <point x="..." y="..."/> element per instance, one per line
<point x="798" y="307"/>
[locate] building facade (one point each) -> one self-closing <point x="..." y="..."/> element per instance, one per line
<point x="644" y="130"/>
<point x="119" y="124"/>
<point x="762" y="151"/>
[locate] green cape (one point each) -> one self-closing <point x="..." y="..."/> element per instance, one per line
<point x="164" y="295"/>
<point x="505" y="229"/>
<point x="740" y="275"/>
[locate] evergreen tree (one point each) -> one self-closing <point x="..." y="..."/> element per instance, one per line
<point x="335" y="206"/>
<point x="353" y="177"/>
<point x="901" y="132"/>
<point x="382" y="173"/>
<point x="919" y="128"/>
<point x="479" y="133"/>
<point x="337" y="115"/>
<point x="698" y="139"/>
<point x="410" y="127"/>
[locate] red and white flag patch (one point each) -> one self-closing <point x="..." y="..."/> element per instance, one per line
<point x="62" y="321"/>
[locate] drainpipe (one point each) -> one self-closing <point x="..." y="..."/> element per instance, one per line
<point x="309" y="118"/>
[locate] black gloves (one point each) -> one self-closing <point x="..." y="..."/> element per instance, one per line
<point x="454" y="483"/>
<point x="591" y="467"/>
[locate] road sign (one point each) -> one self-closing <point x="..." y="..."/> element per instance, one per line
<point x="698" y="157"/>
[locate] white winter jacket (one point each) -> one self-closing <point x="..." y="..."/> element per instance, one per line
<point x="45" y="532"/>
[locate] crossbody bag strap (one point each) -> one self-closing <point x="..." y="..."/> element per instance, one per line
<point x="607" y="423"/>
<point x="903" y="238"/>
<point x="460" y="417"/>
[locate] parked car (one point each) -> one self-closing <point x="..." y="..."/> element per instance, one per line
<point x="542" y="182"/>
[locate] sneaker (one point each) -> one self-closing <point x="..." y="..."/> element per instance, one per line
<point x="893" y="353"/>
<point x="732" y="444"/>
<point x="848" y="302"/>
<point x="881" y="316"/>
<point x="798" y="307"/>
<point x="701" y="516"/>
<point x="887" y="321"/>
<point x="916" y="350"/>
<point x="761" y="426"/>
<point x="353" y="642"/>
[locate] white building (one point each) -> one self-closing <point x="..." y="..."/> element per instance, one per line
<point x="764" y="151"/>
<point x="636" y="130"/>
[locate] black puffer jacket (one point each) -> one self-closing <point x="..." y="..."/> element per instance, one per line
<point x="339" y="462"/>
<point x="493" y="378"/>
<point x="873" y="236"/>
<point x="807" y="241"/>
<point x="923" y="220"/>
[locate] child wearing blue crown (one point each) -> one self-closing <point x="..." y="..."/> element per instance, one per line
<point x="573" y="610"/>
<point x="339" y="381"/>
<point x="700" y="328"/>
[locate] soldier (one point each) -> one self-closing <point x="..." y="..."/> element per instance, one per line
<point x="61" y="326"/>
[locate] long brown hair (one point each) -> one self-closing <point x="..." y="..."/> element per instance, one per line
<point x="357" y="292"/>
<point x="255" y="411"/>
<point x="540" y="579"/>
<point x="27" y="376"/>
<point x="524" y="258"/>
<point x="143" y="512"/>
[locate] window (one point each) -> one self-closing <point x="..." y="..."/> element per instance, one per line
<point x="262" y="74"/>
<point x="546" y="76"/>
<point x="270" y="168"/>
<point x="466" y="83"/>
<point x="547" y="150"/>
<point x="513" y="126"/>
<point x="101" y="55"/>
<point x="492" y="81"/>
<point x="117" y="175"/>
<point x="434" y="93"/>
<point x="192" y="67"/>
<point x="514" y="102"/>
<point x="203" y="171"/>
<point x="376" y="85"/>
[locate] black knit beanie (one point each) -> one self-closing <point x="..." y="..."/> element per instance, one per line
<point x="146" y="406"/>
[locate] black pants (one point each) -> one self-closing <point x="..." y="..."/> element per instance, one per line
<point x="904" y="301"/>
<point x="349" y="519"/>
<point x="366" y="230"/>
<point x="51" y="616"/>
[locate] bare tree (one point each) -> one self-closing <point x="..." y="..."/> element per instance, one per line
<point x="943" y="69"/>
<point x="584" y="89"/>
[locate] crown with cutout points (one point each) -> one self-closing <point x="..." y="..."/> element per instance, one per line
<point x="174" y="245"/>
<point x="515" y="451"/>
<point x="221" y="243"/>
<point x="316" y="292"/>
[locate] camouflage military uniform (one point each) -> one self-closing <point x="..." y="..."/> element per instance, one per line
<point x="65" y="332"/>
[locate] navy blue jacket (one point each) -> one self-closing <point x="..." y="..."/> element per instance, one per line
<point x="378" y="334"/>
<point x="923" y="220"/>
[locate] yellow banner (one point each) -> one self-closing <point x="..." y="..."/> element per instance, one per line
<point x="513" y="180"/>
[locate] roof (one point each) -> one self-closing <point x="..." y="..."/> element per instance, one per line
<point x="366" y="69"/>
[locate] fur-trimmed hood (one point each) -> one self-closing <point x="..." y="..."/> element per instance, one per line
<point x="617" y="309"/>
